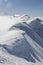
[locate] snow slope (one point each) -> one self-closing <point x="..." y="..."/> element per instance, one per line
<point x="20" y="41"/>
<point x="8" y="59"/>
<point x="39" y="28"/>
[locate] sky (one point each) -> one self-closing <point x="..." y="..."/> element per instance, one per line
<point x="30" y="7"/>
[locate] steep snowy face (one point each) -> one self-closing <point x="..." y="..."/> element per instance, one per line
<point x="27" y="45"/>
<point x="26" y="27"/>
<point x="37" y="26"/>
<point x="8" y="59"/>
<point x="22" y="39"/>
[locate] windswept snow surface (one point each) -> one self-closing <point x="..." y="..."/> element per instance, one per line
<point x="21" y="40"/>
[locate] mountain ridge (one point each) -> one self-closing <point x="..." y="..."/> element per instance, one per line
<point x="26" y="43"/>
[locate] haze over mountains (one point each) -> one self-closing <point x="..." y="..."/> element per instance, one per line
<point x="21" y="40"/>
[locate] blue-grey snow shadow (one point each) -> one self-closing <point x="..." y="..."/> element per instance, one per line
<point x="37" y="26"/>
<point x="30" y="32"/>
<point x="24" y="50"/>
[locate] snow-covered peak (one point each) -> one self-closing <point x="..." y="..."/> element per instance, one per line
<point x="16" y="15"/>
<point x="25" y="17"/>
<point x="23" y="39"/>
